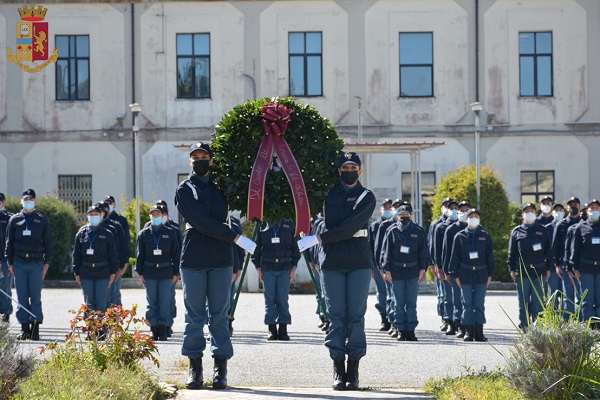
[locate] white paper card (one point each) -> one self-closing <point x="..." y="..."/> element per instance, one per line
<point x="596" y="240"/>
<point x="404" y="249"/>
<point x="537" y="247"/>
<point x="473" y="254"/>
<point x="26" y="232"/>
<point x="275" y="240"/>
<point x="157" y="252"/>
<point x="89" y="252"/>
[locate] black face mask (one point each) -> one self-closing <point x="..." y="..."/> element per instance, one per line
<point x="349" y="177"/>
<point x="201" y="167"/>
<point x="405" y="220"/>
<point x="574" y="211"/>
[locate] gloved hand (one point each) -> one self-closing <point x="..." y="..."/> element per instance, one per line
<point x="307" y="242"/>
<point x="246" y="244"/>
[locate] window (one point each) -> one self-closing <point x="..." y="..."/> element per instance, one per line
<point x="535" y="64"/>
<point x="73" y="67"/>
<point x="193" y="65"/>
<point x="306" y="63"/>
<point x="76" y="189"/>
<point x="416" y="64"/>
<point x="535" y="185"/>
<point x="427" y="186"/>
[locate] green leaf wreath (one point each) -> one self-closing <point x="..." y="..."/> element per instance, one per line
<point x="312" y="139"/>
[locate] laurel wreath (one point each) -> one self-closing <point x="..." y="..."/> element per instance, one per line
<point x="312" y="139"/>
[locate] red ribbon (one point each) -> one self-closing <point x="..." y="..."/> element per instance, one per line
<point x="275" y="118"/>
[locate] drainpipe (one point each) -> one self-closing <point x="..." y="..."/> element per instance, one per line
<point x="133" y="91"/>
<point x="476" y="50"/>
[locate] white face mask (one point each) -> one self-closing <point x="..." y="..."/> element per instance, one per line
<point x="165" y="219"/>
<point x="558" y="215"/>
<point x="473" y="222"/>
<point x="530" y="217"/>
<point x="462" y="216"/>
<point x="546" y="208"/>
<point x="444" y="210"/>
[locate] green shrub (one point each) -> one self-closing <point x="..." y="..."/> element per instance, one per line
<point x="63" y="224"/>
<point x="14" y="365"/>
<point x="494" y="207"/>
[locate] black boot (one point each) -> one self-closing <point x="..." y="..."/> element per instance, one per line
<point x="322" y="319"/>
<point x="385" y="324"/>
<point x="154" y="330"/>
<point x="395" y="333"/>
<point x="468" y="333"/>
<point x="401" y="336"/>
<point x="162" y="333"/>
<point x="194" y="381"/>
<point x="169" y="331"/>
<point x="325" y="327"/>
<point x="478" y="334"/>
<point x="6" y="318"/>
<point x="461" y="331"/>
<point x="352" y="375"/>
<point x="230" y="327"/>
<point x="272" y="332"/>
<point x="339" y="375"/>
<point x="444" y="325"/>
<point x="451" y="330"/>
<point x="25" y="332"/>
<point x="220" y="376"/>
<point x="410" y="336"/>
<point x="282" y="333"/>
<point x="35" y="331"/>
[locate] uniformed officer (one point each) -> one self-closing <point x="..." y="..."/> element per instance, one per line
<point x="121" y="220"/>
<point x="95" y="261"/>
<point x="546" y="205"/>
<point x="529" y="261"/>
<point x="28" y="254"/>
<point x="317" y="227"/>
<point x="157" y="264"/>
<point x="381" y="292"/>
<point x="276" y="258"/>
<point x="238" y="264"/>
<point x="585" y="260"/>
<point x="559" y="249"/>
<point x="436" y="270"/>
<point x="346" y="262"/>
<point x="405" y="261"/>
<point x="554" y="282"/>
<point x="454" y="302"/>
<point x="206" y="267"/>
<point x="472" y="267"/>
<point x="123" y="252"/>
<point x="6" y="279"/>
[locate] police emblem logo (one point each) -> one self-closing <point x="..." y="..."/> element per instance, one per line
<point x="32" y="40"/>
<point x="348" y="156"/>
<point x="199" y="144"/>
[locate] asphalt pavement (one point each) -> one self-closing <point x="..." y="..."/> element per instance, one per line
<point x="301" y="368"/>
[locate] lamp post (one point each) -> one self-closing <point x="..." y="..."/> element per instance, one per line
<point x="476" y="108"/>
<point x="135" y="110"/>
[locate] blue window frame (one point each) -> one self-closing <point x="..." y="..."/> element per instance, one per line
<point x="535" y="64"/>
<point x="306" y="63"/>
<point x="416" y="64"/>
<point x="193" y="65"/>
<point x="72" y="67"/>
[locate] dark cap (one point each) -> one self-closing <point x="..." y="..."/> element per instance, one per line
<point x="108" y="197"/>
<point x="103" y="205"/>
<point x="349" y="158"/>
<point x="397" y="203"/>
<point x="556" y="205"/>
<point x="452" y="202"/>
<point x="386" y="201"/>
<point x="548" y="198"/>
<point x="573" y="200"/>
<point x="406" y="207"/>
<point x="2" y="198"/>
<point x="94" y="207"/>
<point x="584" y="207"/>
<point x="528" y="205"/>
<point x="28" y="193"/>
<point x="464" y="203"/>
<point x="201" y="146"/>
<point x="447" y="200"/>
<point x="593" y="201"/>
<point x="163" y="204"/>
<point x="157" y="207"/>
<point x="473" y="211"/>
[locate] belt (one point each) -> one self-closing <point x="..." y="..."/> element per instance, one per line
<point x="29" y="256"/>
<point x="276" y="260"/>
<point x="473" y="267"/>
<point x="158" y="265"/>
<point x="361" y="233"/>
<point x="590" y="262"/>
<point x="536" y="265"/>
<point x="95" y="264"/>
<point x="411" y="264"/>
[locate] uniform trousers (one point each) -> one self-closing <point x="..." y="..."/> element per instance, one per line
<point x="457" y="305"/>
<point x="473" y="303"/>
<point x="553" y="286"/>
<point x="390" y="303"/>
<point x="346" y="293"/>
<point x="6" y="282"/>
<point x="571" y="295"/>
<point x="529" y="290"/>
<point x="95" y="292"/>
<point x="590" y="307"/>
<point x="381" y="292"/>
<point x="158" y="298"/>
<point x="276" y="285"/>
<point x="114" y="293"/>
<point x="405" y="299"/>
<point x="212" y="285"/>
<point x="448" y="301"/>
<point x="173" y="305"/>
<point x="439" y="285"/>
<point x="28" y="283"/>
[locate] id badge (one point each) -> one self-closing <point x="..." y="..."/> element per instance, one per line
<point x="26" y="232"/>
<point x="275" y="240"/>
<point x="89" y="252"/>
<point x="473" y="255"/>
<point x="157" y="252"/>
<point x="537" y="247"/>
<point x="596" y="240"/>
<point x="404" y="249"/>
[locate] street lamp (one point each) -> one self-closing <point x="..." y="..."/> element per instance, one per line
<point x="135" y="110"/>
<point x="476" y="108"/>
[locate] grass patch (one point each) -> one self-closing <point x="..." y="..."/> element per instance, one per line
<point x="480" y="386"/>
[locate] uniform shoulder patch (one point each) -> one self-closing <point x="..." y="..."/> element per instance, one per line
<point x="36" y="220"/>
<point x="165" y="236"/>
<point x="539" y="233"/>
<point x="482" y="238"/>
<point x="414" y="235"/>
<point x="102" y="236"/>
<point x="351" y="199"/>
<point x="285" y="226"/>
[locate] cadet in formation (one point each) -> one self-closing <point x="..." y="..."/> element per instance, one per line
<point x="6" y="279"/>
<point x="122" y="221"/>
<point x="206" y="267"/>
<point x="28" y="254"/>
<point x="317" y="226"/>
<point x="346" y="263"/>
<point x="276" y="258"/>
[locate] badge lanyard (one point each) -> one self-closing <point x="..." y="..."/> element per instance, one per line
<point x="157" y="241"/>
<point x="275" y="239"/>
<point x="27" y="232"/>
<point x="89" y="238"/>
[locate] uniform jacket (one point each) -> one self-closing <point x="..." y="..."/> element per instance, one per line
<point x="545" y="220"/>
<point x="530" y="247"/>
<point x="559" y="238"/>
<point x="4" y="217"/>
<point x="585" y="247"/>
<point x="405" y="251"/>
<point x="36" y="247"/>
<point x="448" y="242"/>
<point x="104" y="262"/>
<point x="340" y="249"/>
<point x="317" y="228"/>
<point x="280" y="256"/>
<point x="431" y="236"/>
<point x="157" y="266"/>
<point x="208" y="238"/>
<point x="379" y="242"/>
<point x="123" y="250"/>
<point x="373" y="228"/>
<point x="238" y="253"/>
<point x="465" y="264"/>
<point x="122" y="220"/>
<point x="438" y="238"/>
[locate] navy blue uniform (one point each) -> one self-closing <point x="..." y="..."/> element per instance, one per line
<point x="438" y="237"/>
<point x="453" y="302"/>
<point x="529" y="257"/>
<point x="585" y="258"/>
<point x="439" y="285"/>
<point x="123" y="251"/>
<point x="380" y="305"/>
<point x="317" y="227"/>
<point x="6" y="279"/>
